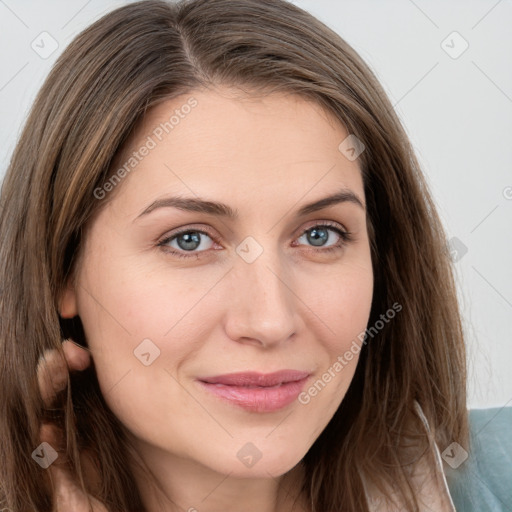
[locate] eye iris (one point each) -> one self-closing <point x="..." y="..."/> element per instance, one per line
<point x="189" y="238"/>
<point x="317" y="235"/>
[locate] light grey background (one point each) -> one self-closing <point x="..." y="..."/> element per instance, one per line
<point x="456" y="107"/>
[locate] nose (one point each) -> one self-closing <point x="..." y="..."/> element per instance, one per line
<point x="262" y="307"/>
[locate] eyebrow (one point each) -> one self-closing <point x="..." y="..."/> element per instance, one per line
<point x="225" y="211"/>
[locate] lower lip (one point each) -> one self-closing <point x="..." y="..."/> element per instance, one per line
<point x="258" y="399"/>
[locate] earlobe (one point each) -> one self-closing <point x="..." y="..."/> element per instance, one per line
<point x="67" y="303"/>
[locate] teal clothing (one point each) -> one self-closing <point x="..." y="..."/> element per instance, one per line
<point x="483" y="482"/>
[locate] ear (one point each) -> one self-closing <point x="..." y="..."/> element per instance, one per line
<point x="67" y="302"/>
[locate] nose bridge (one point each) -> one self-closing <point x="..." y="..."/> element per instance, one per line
<point x="263" y="303"/>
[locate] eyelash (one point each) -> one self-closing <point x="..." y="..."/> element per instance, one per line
<point x="345" y="238"/>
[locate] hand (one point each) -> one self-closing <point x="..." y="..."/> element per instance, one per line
<point x="52" y="372"/>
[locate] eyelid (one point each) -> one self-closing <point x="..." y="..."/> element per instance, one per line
<point x="328" y="223"/>
<point x="200" y="228"/>
<point x="208" y="230"/>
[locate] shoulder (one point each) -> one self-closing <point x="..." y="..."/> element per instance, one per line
<point x="427" y="478"/>
<point x="481" y="478"/>
<point x="430" y="490"/>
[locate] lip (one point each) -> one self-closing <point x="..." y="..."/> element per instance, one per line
<point x="257" y="392"/>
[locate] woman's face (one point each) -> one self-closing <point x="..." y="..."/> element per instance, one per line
<point x="266" y="289"/>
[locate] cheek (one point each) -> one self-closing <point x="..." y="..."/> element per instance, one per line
<point x="138" y="325"/>
<point x="134" y="332"/>
<point x="123" y="306"/>
<point x="120" y="305"/>
<point x="342" y="301"/>
<point x="342" y="312"/>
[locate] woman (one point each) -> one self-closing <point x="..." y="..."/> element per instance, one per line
<point x="188" y="173"/>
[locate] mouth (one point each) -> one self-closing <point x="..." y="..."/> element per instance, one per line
<point x="257" y="392"/>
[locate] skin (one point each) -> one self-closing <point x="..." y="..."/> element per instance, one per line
<point x="295" y="306"/>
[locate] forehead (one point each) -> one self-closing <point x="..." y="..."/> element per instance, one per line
<point x="229" y="143"/>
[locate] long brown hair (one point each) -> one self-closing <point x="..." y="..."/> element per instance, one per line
<point x="96" y="94"/>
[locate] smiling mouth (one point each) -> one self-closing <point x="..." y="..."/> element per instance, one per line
<point x="257" y="392"/>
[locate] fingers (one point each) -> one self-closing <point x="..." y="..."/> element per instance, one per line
<point x="67" y="494"/>
<point x="77" y="357"/>
<point x="52" y="374"/>
<point x="53" y="369"/>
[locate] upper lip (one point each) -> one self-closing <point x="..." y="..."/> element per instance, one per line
<point x="256" y="378"/>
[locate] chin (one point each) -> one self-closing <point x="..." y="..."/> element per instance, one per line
<point x="250" y="462"/>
